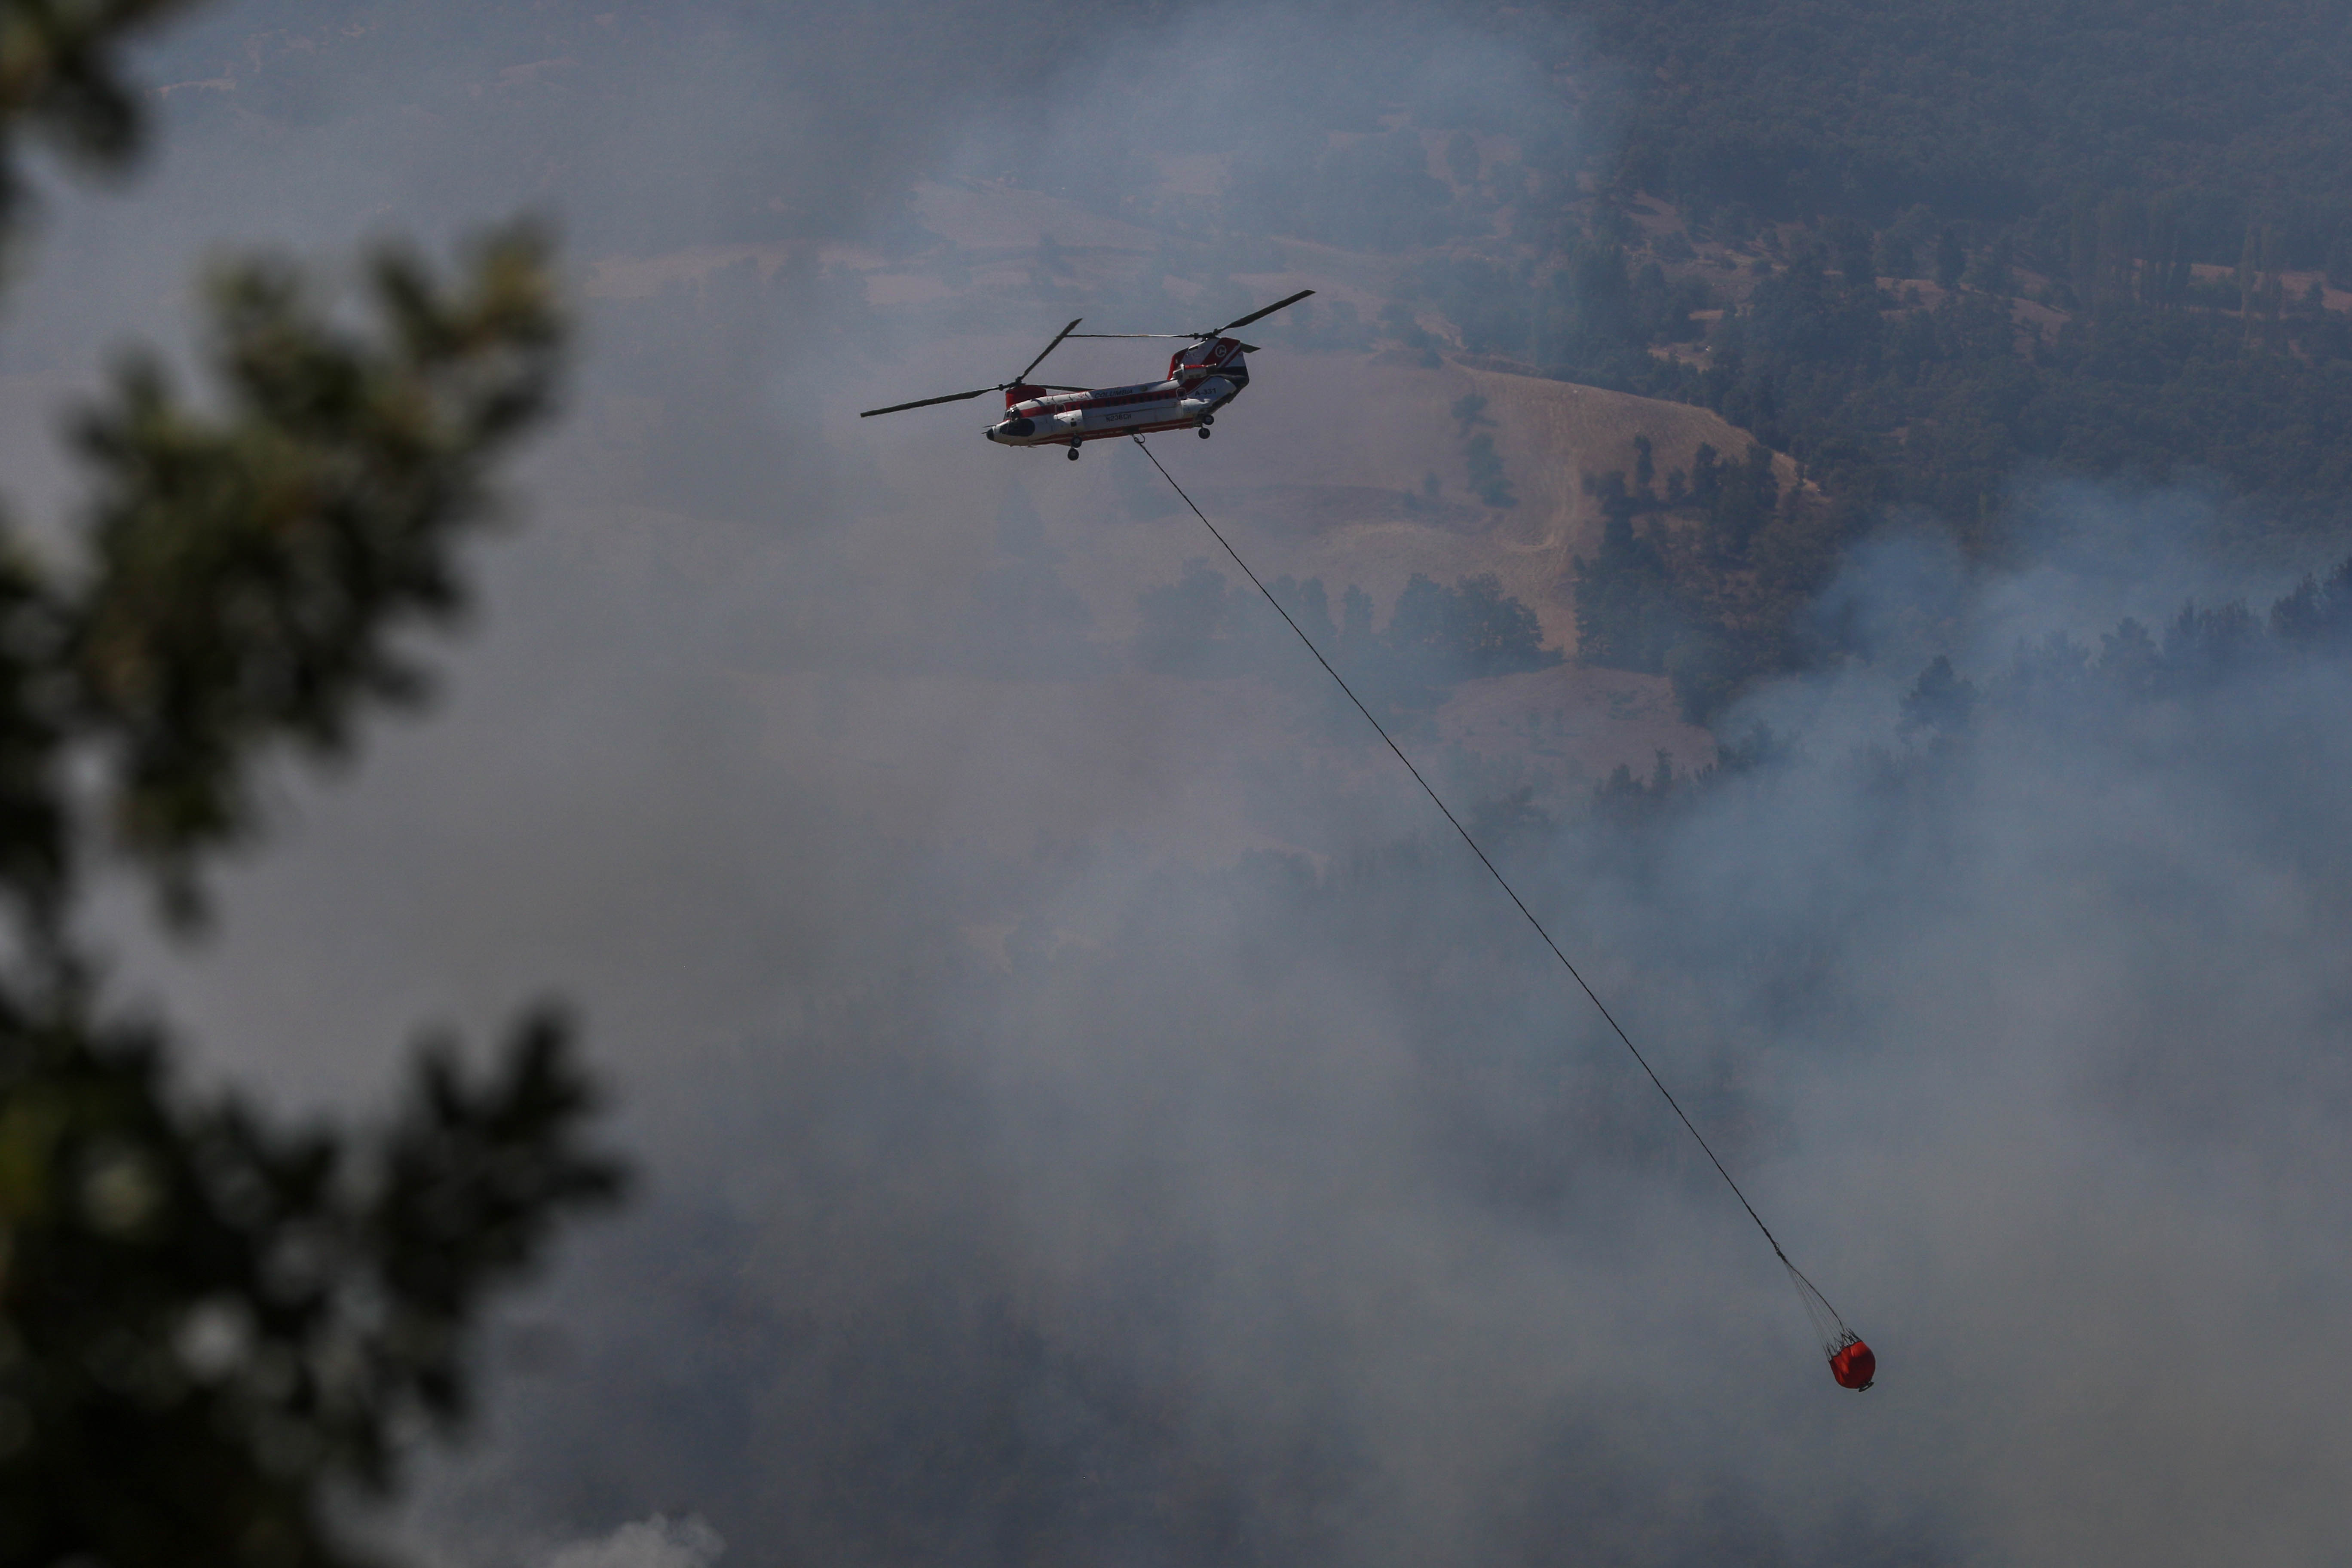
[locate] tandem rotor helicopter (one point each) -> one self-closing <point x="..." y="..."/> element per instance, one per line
<point x="1202" y="377"/>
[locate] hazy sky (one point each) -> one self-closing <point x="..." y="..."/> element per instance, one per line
<point x="1090" y="1116"/>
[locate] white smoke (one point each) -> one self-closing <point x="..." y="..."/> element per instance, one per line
<point x="1039" y="1170"/>
<point x="660" y="1542"/>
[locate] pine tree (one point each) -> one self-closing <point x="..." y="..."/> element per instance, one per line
<point x="1951" y="259"/>
<point x="212" y="1326"/>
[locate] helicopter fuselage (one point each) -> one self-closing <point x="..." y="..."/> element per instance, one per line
<point x="1201" y="379"/>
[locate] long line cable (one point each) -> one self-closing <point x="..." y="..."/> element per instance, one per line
<point x="1500" y="880"/>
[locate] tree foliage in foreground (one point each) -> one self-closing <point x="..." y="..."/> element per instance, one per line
<point x="214" y="1331"/>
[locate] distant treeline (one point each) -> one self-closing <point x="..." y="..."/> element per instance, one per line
<point x="1939" y="406"/>
<point x="1998" y="112"/>
<point x="2202" y="648"/>
<point x="2199" y="647"/>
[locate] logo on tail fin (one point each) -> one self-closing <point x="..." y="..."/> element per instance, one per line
<point x="1213" y="356"/>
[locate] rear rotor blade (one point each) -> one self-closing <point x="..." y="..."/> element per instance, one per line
<point x="1049" y="348"/>
<point x="927" y="402"/>
<point x="1253" y="315"/>
<point x="1186" y="336"/>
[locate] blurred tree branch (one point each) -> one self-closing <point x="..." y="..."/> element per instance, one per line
<point x="60" y="79"/>
<point x="213" y="1328"/>
<point x="251" y="570"/>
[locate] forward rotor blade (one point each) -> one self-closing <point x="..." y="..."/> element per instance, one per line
<point x="1253" y="315"/>
<point x="1188" y="337"/>
<point x="1049" y="348"/>
<point x="927" y="402"/>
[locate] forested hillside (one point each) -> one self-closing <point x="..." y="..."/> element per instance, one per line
<point x="1997" y="112"/>
<point x="1933" y="253"/>
<point x="1936" y="253"/>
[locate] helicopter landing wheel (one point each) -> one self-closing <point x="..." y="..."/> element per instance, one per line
<point x="1203" y="432"/>
<point x="1207" y="420"/>
<point x="1073" y="451"/>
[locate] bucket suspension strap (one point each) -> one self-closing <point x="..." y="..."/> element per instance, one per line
<point x="1827" y="1324"/>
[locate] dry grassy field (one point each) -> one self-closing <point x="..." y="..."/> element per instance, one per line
<point x="1347" y="466"/>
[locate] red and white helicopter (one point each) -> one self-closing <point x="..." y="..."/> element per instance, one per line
<point x="1202" y="377"/>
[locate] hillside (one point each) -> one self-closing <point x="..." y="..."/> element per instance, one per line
<point x="1347" y="464"/>
<point x="1924" y="254"/>
<point x="1340" y="451"/>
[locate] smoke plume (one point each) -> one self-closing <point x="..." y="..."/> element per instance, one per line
<point x="1090" y="1113"/>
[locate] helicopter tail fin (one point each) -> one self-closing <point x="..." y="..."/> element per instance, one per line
<point x="1211" y="356"/>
